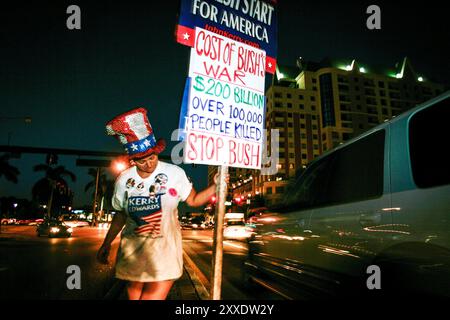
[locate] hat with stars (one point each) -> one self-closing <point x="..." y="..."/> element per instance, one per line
<point x="135" y="133"/>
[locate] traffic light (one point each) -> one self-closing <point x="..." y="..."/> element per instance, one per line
<point x="52" y="159"/>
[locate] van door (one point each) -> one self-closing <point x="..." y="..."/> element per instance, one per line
<point x="350" y="218"/>
<point x="421" y="196"/>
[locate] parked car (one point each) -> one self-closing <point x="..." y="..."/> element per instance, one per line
<point x="53" y="228"/>
<point x="381" y="199"/>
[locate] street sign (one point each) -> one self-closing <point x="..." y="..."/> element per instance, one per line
<point x="94" y="163"/>
<point x="253" y="22"/>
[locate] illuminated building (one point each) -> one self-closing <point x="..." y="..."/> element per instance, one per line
<point x="317" y="106"/>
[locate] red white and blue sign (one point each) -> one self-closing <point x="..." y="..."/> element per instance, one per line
<point x="253" y="22"/>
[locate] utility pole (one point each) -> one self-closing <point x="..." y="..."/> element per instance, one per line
<point x="217" y="259"/>
<point x="94" y="206"/>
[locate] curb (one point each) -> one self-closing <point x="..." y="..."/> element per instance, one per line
<point x="198" y="279"/>
<point x="116" y="290"/>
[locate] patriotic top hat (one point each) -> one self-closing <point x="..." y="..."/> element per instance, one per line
<point x="134" y="131"/>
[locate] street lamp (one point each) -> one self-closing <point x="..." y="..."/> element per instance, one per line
<point x="27" y="120"/>
<point x="119" y="164"/>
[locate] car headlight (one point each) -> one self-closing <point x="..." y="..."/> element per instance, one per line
<point x="70" y="230"/>
<point x="54" y="230"/>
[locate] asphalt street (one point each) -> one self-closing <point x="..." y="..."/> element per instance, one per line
<point x="33" y="267"/>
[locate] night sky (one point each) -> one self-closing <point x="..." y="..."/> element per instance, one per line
<point x="71" y="82"/>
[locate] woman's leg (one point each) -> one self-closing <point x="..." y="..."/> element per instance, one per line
<point x="134" y="290"/>
<point x="157" y="290"/>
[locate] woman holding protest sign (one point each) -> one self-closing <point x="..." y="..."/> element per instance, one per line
<point x="146" y="197"/>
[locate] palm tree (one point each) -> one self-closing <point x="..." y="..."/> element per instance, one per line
<point x="8" y="170"/>
<point x="54" y="177"/>
<point x="104" y="190"/>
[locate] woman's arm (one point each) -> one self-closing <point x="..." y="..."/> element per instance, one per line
<point x="198" y="199"/>
<point x="116" y="226"/>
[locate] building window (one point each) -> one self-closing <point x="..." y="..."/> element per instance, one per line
<point x="289" y="96"/>
<point x="278" y="105"/>
<point x="313" y="107"/>
<point x="278" y="95"/>
<point x="371" y="101"/>
<point x="279" y="190"/>
<point x="314" y="80"/>
<point x="289" y="105"/>
<point x="304" y="156"/>
<point x="302" y="106"/>
<point x="313" y="98"/>
<point x="301" y="97"/>
<point x="269" y="190"/>
<point x="346" y="117"/>
<point x="381" y="84"/>
<point x="340" y="79"/>
<point x="346" y="136"/>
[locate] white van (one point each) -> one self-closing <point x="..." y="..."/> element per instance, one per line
<point x="381" y="199"/>
<point x="235" y="227"/>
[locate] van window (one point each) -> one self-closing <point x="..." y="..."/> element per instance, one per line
<point x="358" y="171"/>
<point x="428" y="136"/>
<point x="353" y="173"/>
<point x="308" y="188"/>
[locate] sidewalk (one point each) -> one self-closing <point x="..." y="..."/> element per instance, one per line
<point x="191" y="286"/>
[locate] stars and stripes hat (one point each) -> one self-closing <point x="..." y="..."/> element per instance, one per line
<point x="135" y="133"/>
